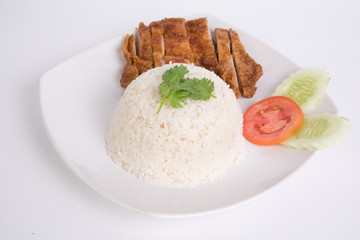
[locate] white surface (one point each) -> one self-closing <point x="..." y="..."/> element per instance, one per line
<point x="42" y="199"/>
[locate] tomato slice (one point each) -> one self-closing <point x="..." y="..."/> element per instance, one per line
<point x="272" y="120"/>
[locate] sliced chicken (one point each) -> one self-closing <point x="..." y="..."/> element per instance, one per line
<point x="176" y="41"/>
<point x="126" y="48"/>
<point x="201" y="43"/>
<point x="130" y="71"/>
<point x="226" y="69"/>
<point x="248" y="71"/>
<point x="144" y="61"/>
<point x="160" y="23"/>
<point x="157" y="36"/>
<point x="145" y="43"/>
<point x="142" y="65"/>
<point x="176" y="59"/>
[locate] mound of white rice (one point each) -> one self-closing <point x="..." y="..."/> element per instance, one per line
<point x="181" y="147"/>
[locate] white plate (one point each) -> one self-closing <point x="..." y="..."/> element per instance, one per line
<point x="79" y="96"/>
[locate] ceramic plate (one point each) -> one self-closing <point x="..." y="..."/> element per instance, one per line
<point x="79" y="96"/>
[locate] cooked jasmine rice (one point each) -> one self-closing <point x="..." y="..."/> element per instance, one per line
<point x="179" y="147"/>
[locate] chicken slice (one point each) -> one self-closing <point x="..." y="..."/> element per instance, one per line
<point x="142" y="65"/>
<point x="176" y="59"/>
<point x="201" y="43"/>
<point x="130" y="71"/>
<point x="126" y="49"/>
<point x="159" y="23"/>
<point x="225" y="69"/>
<point x="157" y="36"/>
<point x="145" y="43"/>
<point x="144" y="60"/>
<point x="176" y="40"/>
<point x="248" y="71"/>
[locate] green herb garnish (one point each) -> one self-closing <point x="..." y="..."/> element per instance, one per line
<point x="176" y="89"/>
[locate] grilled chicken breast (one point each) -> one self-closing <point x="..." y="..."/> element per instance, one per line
<point x="226" y="69"/>
<point x="176" y="39"/>
<point x="176" y="59"/>
<point x="157" y="36"/>
<point x="248" y="71"/>
<point x="201" y="43"/>
<point x="130" y="71"/>
<point x="145" y="43"/>
<point x="144" y="61"/>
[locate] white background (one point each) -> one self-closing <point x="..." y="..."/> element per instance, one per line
<point x="40" y="198"/>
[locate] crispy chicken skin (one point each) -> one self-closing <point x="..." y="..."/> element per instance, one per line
<point x="144" y="60"/>
<point x="158" y="59"/>
<point x="157" y="36"/>
<point x="130" y="71"/>
<point x="160" y="23"/>
<point x="201" y="43"/>
<point x="176" y="41"/>
<point x="248" y="71"/>
<point x="145" y="43"/>
<point x="225" y="69"/>
<point x="142" y="65"/>
<point x="125" y="48"/>
<point x="176" y="59"/>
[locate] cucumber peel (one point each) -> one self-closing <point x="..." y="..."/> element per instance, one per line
<point x="306" y="87"/>
<point x="320" y="131"/>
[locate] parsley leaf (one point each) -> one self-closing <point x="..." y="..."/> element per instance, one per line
<point x="176" y="89"/>
<point x="201" y="89"/>
<point x="173" y="76"/>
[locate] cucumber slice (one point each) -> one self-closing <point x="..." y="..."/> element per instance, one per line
<point x="319" y="131"/>
<point x="306" y="87"/>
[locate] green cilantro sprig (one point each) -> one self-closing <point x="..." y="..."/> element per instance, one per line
<point x="176" y="89"/>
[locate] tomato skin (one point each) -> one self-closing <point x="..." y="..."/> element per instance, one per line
<point x="272" y="120"/>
